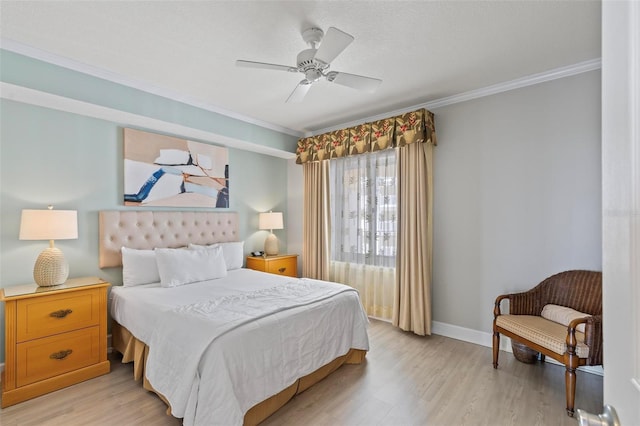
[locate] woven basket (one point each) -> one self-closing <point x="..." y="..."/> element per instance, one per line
<point x="523" y="353"/>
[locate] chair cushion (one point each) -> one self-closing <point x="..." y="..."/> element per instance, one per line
<point x="548" y="334"/>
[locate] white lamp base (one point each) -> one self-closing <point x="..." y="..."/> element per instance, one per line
<point x="51" y="268"/>
<point x="271" y="245"/>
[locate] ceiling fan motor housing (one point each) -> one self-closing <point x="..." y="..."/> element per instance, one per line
<point x="308" y="65"/>
<point x="305" y="59"/>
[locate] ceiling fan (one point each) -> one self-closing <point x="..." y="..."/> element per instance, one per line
<point x="314" y="63"/>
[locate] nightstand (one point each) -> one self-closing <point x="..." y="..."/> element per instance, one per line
<point x="54" y="337"/>
<point x="286" y="264"/>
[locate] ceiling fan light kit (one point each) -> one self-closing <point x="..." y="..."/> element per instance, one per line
<point x="315" y="62"/>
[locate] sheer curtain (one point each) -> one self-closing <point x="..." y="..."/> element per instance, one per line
<point x="363" y="193"/>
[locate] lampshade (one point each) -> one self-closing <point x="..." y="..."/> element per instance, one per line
<point x="49" y="225"/>
<point x="271" y="221"/>
<point x="51" y="267"/>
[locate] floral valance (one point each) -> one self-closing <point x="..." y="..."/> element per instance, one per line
<point x="417" y="126"/>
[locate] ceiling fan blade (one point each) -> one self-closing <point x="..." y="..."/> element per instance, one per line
<point x="333" y="43"/>
<point x="263" y="65"/>
<point x="359" y="82"/>
<point x="299" y="92"/>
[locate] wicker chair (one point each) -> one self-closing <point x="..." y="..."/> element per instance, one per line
<point x="579" y="290"/>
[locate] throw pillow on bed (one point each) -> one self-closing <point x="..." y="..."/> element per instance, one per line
<point x="179" y="267"/>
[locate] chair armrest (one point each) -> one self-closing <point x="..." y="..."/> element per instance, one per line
<point x="496" y="307"/>
<point x="571" y="340"/>
<point x="593" y="338"/>
<point x="576" y="322"/>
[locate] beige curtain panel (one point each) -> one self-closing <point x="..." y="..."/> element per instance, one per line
<point x="416" y="126"/>
<point x="315" y="225"/>
<point x="412" y="301"/>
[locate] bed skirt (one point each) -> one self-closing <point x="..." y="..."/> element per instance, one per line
<point x="133" y="350"/>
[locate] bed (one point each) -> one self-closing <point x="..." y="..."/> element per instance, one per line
<point x="232" y="348"/>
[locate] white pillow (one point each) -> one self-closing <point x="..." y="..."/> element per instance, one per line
<point x="563" y="315"/>
<point x="233" y="253"/>
<point x="139" y="267"/>
<point x="179" y="267"/>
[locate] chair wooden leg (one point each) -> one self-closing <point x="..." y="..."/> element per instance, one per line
<point x="571" y="364"/>
<point x="570" y="384"/>
<point x="496" y="348"/>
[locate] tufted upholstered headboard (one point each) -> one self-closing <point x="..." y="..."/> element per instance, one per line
<point x="170" y="229"/>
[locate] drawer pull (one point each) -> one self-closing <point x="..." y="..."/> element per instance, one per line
<point x="281" y="270"/>
<point x="61" y="313"/>
<point x="61" y="354"/>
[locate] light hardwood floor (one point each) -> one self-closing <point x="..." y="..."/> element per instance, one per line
<point x="406" y="380"/>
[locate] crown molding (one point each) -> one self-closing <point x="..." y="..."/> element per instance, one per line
<point x="35" y="53"/>
<point x="29" y="96"/>
<point x="554" y="74"/>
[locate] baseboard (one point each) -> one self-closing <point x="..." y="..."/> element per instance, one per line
<point x="486" y="339"/>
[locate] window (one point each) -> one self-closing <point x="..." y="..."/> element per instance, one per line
<point x="364" y="208"/>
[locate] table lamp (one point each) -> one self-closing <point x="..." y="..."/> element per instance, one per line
<point x="51" y="267"/>
<point x="270" y="221"/>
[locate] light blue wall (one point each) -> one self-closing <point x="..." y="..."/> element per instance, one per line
<point x="28" y="72"/>
<point x="75" y="162"/>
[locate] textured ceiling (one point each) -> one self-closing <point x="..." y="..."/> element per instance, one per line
<point x="422" y="50"/>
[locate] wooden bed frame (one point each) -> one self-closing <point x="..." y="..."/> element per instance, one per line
<point x="151" y="229"/>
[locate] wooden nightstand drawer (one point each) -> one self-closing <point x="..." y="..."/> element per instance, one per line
<point x="57" y="313"/>
<point x="51" y="356"/>
<point x="286" y="266"/>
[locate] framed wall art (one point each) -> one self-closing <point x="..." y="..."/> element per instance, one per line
<point x="162" y="170"/>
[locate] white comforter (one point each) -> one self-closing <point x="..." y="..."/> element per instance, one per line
<point x="219" y="347"/>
